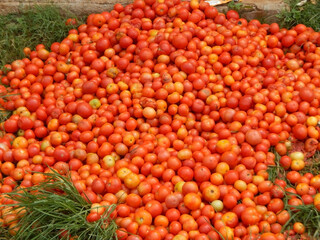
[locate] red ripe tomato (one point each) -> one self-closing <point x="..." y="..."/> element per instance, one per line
<point x="180" y="41"/>
<point x="229" y="201"/>
<point x="98" y="65"/>
<point x="287" y="40"/>
<point x="285" y="162"/>
<point x="306" y="94"/>
<point x="274" y="28"/>
<point x="89" y="56"/>
<point x="211" y="12"/>
<point x="188" y="67"/>
<point x="245" y="102"/>
<point x="201" y="174"/>
<point x="173" y="201"/>
<point x="220" y="18"/>
<point x="89" y="196"/>
<point x="232" y="14"/>
<point x="122" y="63"/>
<point x="253" y="137"/>
<point x="146" y="54"/>
<point x="225" y="58"/>
<point x="154" y="208"/>
<point x="300" y="131"/>
<point x="125" y="42"/>
<point x="275" y="205"/>
<point x="161" y="9"/>
<point x="250" y="216"/>
<point x="210" y="161"/>
<point x="113" y="185"/>
<point x="93" y="216"/>
<point x="61" y="154"/>
<point x="32" y="104"/>
<point x="186" y="173"/>
<point x="98" y="20"/>
<point x="231" y="176"/>
<point x="272" y="41"/>
<point x="102" y="44"/>
<point x="84" y="109"/>
<point x="98" y="186"/>
<point x="229" y="157"/>
<point x="11" y="126"/>
<point x="32" y="69"/>
<point x="89" y="87"/>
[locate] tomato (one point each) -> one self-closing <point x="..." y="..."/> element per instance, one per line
<point x="250" y="216"/>
<point x="306" y="94"/>
<point x="275" y="205"/>
<point x="232" y="14"/>
<point x="84" y="110"/>
<point x="287" y="40"/>
<point x="143" y="217"/>
<point x="169" y="109"/>
<point x="268" y="236"/>
<point x="189" y="187"/>
<point x="229" y="201"/>
<point x="161" y="9"/>
<point x="11" y="126"/>
<point x="211" y="193"/>
<point x="93" y="216"/>
<point x="61" y="154"/>
<point x="231" y="177"/>
<point x="300" y="131"/>
<point x="201" y="174"/>
<point x="298" y="227"/>
<point x="192" y="201"/>
<point x="131" y="180"/>
<point x="25" y="123"/>
<point x="180" y="41"/>
<point x="253" y="137"/>
<point x="230" y="219"/>
<point x="230" y="158"/>
<point x="226" y="232"/>
<point x="316" y="201"/>
<point x="98" y="186"/>
<point x="146" y="54"/>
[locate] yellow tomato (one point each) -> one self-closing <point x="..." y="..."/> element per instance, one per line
<point x="297" y="164"/>
<point x="296" y="156"/>
<point x="316" y="201"/>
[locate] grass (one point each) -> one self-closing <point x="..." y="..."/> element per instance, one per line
<point x="27" y="28"/>
<point x="308" y="14"/>
<point x="237" y="6"/>
<point x="55" y="205"/>
<point x="306" y="214"/>
<point x="4" y="114"/>
<point x="275" y="171"/>
<point x="313" y="166"/>
<point x="4" y="235"/>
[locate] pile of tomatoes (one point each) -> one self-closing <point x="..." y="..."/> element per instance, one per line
<point x="170" y="109"/>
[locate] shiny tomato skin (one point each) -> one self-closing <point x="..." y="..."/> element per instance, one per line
<point x="98" y="186"/>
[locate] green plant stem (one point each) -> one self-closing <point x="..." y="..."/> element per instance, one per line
<point x="55" y="206"/>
